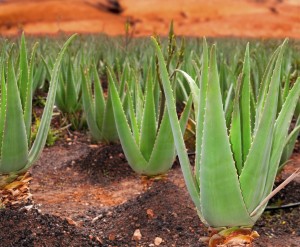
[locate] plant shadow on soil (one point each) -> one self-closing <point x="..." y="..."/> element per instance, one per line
<point x="87" y="195"/>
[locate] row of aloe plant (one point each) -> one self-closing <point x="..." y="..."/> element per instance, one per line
<point x="248" y="117"/>
<point x="80" y="95"/>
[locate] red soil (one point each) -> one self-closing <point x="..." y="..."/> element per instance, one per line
<point x="230" y="18"/>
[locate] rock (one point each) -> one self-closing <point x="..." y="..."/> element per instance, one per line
<point x="158" y="241"/>
<point x="137" y="236"/>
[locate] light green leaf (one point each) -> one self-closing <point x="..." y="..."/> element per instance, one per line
<point x="280" y="133"/>
<point x="14" y="153"/>
<point x="254" y="173"/>
<point x="100" y="103"/>
<point x="148" y="128"/>
<point x="177" y="134"/>
<point x="220" y="195"/>
<point x="89" y="108"/>
<point x="245" y="107"/>
<point x="130" y="147"/>
<point x="236" y="130"/>
<point x="42" y="133"/>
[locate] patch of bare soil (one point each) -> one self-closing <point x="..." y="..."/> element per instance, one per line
<point x="87" y="195"/>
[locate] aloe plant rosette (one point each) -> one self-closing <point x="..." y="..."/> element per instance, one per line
<point x="148" y="145"/>
<point x="235" y="168"/>
<point x="16" y="155"/>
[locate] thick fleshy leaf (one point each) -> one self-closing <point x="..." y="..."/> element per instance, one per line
<point x="177" y="134"/>
<point x="42" y="133"/>
<point x="290" y="144"/>
<point x="29" y="95"/>
<point x="109" y="130"/>
<point x="14" y="153"/>
<point x="195" y="91"/>
<point x="254" y="173"/>
<point x="3" y="107"/>
<point x="245" y="107"/>
<point x="130" y="147"/>
<point x="99" y="98"/>
<point x="263" y="89"/>
<point x="71" y="91"/>
<point x="148" y="128"/>
<point x="220" y="195"/>
<point x="23" y="67"/>
<point x="163" y="153"/>
<point x="236" y="130"/>
<point x="132" y="118"/>
<point x="89" y="108"/>
<point x="202" y="103"/>
<point x="280" y="133"/>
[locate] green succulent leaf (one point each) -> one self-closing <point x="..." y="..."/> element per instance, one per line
<point x="14" y="153"/>
<point x="177" y="134"/>
<point x="42" y="133"/>
<point x="220" y="194"/>
<point x="130" y="147"/>
<point x="95" y="126"/>
<point x="148" y="128"/>
<point x="254" y="173"/>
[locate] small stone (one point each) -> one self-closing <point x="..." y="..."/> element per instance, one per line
<point x="112" y="237"/>
<point x="137" y="236"/>
<point x="158" y="241"/>
<point x="150" y="213"/>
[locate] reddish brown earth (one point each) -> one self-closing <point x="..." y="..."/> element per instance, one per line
<point x="237" y="18"/>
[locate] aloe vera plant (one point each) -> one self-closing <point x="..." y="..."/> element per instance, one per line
<point x="98" y="108"/>
<point x="17" y="155"/>
<point x="235" y="167"/>
<point x="147" y="143"/>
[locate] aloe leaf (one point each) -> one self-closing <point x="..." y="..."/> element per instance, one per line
<point x="23" y="80"/>
<point x="14" y="153"/>
<point x="245" y="107"/>
<point x="100" y="103"/>
<point x="254" y="173"/>
<point x="124" y="80"/>
<point x="263" y="89"/>
<point x="235" y="129"/>
<point x="200" y="115"/>
<point x="195" y="91"/>
<point x="148" y="128"/>
<point x="70" y="87"/>
<point x="42" y="133"/>
<point x="109" y="130"/>
<point x="133" y="121"/>
<point x="130" y="147"/>
<point x="228" y="105"/>
<point x="61" y="92"/>
<point x="163" y="154"/>
<point x="3" y="107"/>
<point x="280" y="133"/>
<point x="89" y="108"/>
<point x="29" y="95"/>
<point x="290" y="143"/>
<point x="177" y="134"/>
<point x="163" y="150"/>
<point x="139" y="103"/>
<point x="220" y="194"/>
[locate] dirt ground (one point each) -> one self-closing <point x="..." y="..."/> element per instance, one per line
<point x="230" y="18"/>
<point x="87" y="195"/>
